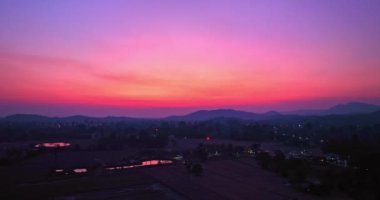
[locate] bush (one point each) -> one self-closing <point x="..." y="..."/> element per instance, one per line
<point x="197" y="169"/>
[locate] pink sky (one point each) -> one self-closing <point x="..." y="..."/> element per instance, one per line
<point x="155" y="58"/>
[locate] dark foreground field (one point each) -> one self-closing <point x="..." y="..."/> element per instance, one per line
<point x="223" y="179"/>
<point x="226" y="179"/>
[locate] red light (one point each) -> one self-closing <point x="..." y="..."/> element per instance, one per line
<point x="208" y="138"/>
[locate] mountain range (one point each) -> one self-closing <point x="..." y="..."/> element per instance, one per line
<point x="348" y="108"/>
<point x="340" y="109"/>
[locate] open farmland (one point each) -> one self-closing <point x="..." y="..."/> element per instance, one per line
<point x="126" y="185"/>
<point x="226" y="179"/>
<point x="223" y="179"/>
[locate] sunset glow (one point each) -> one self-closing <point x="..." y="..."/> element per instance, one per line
<point x="155" y="58"/>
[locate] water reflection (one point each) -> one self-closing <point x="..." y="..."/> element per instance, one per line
<point x="143" y="164"/>
<point x="80" y="170"/>
<point x="52" y="145"/>
<point x="76" y="171"/>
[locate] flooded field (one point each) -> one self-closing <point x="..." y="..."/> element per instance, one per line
<point x="112" y="174"/>
<point x="223" y="179"/>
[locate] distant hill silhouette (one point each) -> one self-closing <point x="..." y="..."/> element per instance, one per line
<point x="348" y="108"/>
<point x="334" y="120"/>
<point x="26" y="117"/>
<point x="340" y="111"/>
<point x="74" y="118"/>
<point x="353" y="107"/>
<point x="225" y="113"/>
<point x="203" y="115"/>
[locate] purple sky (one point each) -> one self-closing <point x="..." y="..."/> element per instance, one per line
<point x="156" y="58"/>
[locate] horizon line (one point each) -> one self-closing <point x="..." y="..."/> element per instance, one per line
<point x="185" y="113"/>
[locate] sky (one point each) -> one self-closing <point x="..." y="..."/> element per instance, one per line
<point x="161" y="57"/>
